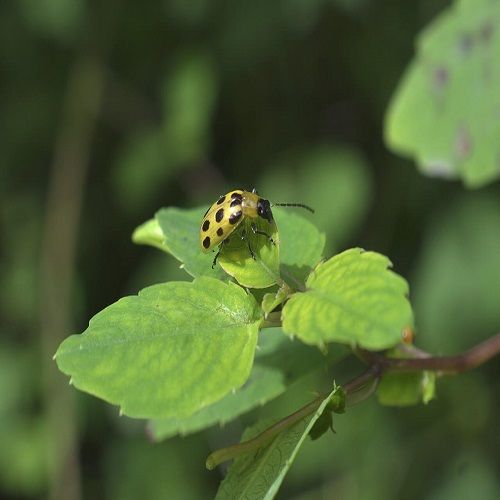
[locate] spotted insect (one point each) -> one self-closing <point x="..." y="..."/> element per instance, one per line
<point x="227" y="214"/>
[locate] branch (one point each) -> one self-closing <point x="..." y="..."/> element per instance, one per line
<point x="262" y="439"/>
<point x="474" y="357"/>
<point x="259" y="441"/>
<point x="379" y="364"/>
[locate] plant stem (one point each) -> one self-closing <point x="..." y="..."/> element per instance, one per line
<point x="449" y="365"/>
<point x="378" y="364"/>
<point x="224" y="454"/>
<point x="259" y="441"/>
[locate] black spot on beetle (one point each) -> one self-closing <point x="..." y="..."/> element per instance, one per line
<point x="236" y="202"/>
<point x="219" y="215"/>
<point x="220" y="201"/>
<point x="235" y="217"/>
<point x="236" y="196"/>
<point x="206" y="242"/>
<point x="206" y="225"/>
<point x="220" y="231"/>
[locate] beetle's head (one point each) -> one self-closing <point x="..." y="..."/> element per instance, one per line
<point x="264" y="209"/>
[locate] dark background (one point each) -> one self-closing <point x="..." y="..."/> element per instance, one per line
<point x="111" y="110"/>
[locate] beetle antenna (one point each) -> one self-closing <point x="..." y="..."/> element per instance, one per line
<point x="301" y="205"/>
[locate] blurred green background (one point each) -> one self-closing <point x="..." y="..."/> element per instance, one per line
<point x="113" y="109"/>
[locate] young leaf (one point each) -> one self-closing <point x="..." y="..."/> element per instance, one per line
<point x="324" y="423"/>
<point x="236" y="259"/>
<point x="273" y="299"/>
<point x="353" y="298"/>
<point x="150" y="233"/>
<point x="279" y="362"/>
<point x="260" y="474"/>
<point x="405" y="389"/>
<point x="181" y="229"/>
<point x="167" y="352"/>
<point x="302" y="244"/>
<point x="444" y="113"/>
<point x="302" y="249"/>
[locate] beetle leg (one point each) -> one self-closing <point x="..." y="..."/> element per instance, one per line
<point x="216" y="256"/>
<point x="263" y="233"/>
<point x="244" y="237"/>
<point x="224" y="242"/>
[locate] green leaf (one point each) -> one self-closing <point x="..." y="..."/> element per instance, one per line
<point x="236" y="260"/>
<point x="428" y="385"/>
<point x="259" y="475"/>
<point x="353" y="298"/>
<point x="150" y="233"/>
<point x="444" y="113"/>
<point x="302" y="244"/>
<point x="273" y="299"/>
<point x="300" y="249"/>
<point x="298" y="241"/>
<point x="279" y="362"/>
<point x="406" y="389"/>
<point x="324" y="423"/>
<point x="181" y="229"/>
<point x="168" y="352"/>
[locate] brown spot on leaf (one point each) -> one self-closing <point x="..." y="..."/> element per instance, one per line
<point x="486" y="32"/>
<point x="440" y="77"/>
<point x="463" y="143"/>
<point x="465" y="44"/>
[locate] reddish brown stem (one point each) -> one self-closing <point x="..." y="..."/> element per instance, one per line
<point x="467" y="360"/>
<point x="379" y="364"/>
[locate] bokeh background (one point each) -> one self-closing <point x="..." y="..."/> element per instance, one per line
<point x="113" y="109"/>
